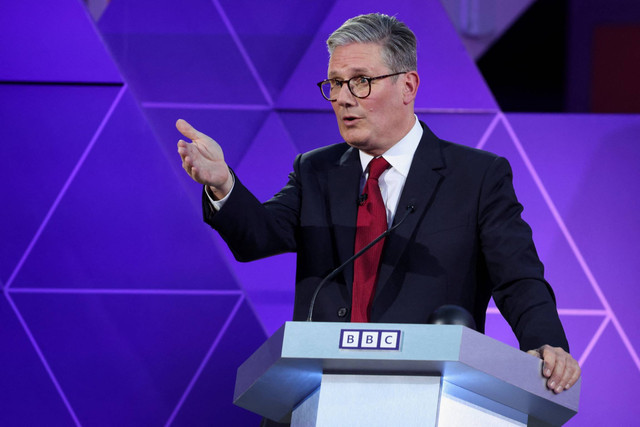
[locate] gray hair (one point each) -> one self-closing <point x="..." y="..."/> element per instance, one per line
<point x="397" y="40"/>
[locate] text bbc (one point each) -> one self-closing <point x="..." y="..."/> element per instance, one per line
<point x="366" y="339"/>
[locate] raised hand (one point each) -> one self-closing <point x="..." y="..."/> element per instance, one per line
<point x="203" y="160"/>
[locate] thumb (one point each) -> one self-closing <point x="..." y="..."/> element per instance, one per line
<point x="186" y="129"/>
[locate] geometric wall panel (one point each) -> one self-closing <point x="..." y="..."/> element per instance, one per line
<point x="35" y="118"/>
<point x="208" y="402"/>
<point x="124" y="359"/>
<point x="272" y="150"/>
<point x="581" y="329"/>
<point x="609" y="367"/>
<point x="117" y="224"/>
<point x="27" y="393"/>
<point x="311" y="129"/>
<point x="52" y="42"/>
<point x="276" y="44"/>
<point x="268" y="284"/>
<point x="178" y="52"/>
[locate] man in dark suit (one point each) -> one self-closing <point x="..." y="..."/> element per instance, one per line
<point x="462" y="240"/>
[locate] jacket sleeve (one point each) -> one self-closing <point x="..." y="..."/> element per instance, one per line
<point x="252" y="229"/>
<point x="519" y="289"/>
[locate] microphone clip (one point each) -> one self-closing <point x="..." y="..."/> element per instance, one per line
<point x="362" y="199"/>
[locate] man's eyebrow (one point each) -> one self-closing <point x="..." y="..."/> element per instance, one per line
<point x="353" y="73"/>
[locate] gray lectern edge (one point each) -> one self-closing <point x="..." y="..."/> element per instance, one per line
<point x="288" y="367"/>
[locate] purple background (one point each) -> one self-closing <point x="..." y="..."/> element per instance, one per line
<point x="121" y="307"/>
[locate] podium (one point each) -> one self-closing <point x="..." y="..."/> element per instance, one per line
<point x="375" y="374"/>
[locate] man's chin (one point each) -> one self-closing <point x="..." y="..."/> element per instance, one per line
<point x="354" y="139"/>
<point x="356" y="143"/>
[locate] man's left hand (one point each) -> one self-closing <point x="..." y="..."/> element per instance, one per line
<point x="561" y="369"/>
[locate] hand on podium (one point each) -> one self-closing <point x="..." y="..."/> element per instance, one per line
<point x="561" y="369"/>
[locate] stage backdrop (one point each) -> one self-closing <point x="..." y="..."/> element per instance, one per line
<point x="121" y="307"/>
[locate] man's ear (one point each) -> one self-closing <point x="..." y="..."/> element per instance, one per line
<point x="410" y="89"/>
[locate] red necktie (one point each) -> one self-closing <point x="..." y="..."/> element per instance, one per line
<point x="372" y="221"/>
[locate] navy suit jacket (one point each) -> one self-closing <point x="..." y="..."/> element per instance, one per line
<point x="465" y="241"/>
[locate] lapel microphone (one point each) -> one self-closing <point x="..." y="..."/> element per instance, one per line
<point x="410" y="208"/>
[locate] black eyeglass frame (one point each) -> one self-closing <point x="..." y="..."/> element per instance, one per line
<point x="348" y="82"/>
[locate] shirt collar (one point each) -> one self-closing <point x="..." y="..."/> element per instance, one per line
<point x="401" y="153"/>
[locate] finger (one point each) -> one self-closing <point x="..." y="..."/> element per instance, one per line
<point x="183" y="149"/>
<point x="186" y="129"/>
<point x="187" y="164"/>
<point x="575" y="374"/>
<point x="188" y="150"/>
<point x="191" y="169"/>
<point x="566" y="376"/>
<point x="549" y="358"/>
<point x="573" y="380"/>
<point x="555" y="381"/>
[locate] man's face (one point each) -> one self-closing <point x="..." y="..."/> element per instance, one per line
<point x="375" y="123"/>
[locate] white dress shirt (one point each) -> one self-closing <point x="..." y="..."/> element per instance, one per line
<point x="391" y="182"/>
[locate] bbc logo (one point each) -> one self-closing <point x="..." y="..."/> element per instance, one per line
<point x="366" y="339"/>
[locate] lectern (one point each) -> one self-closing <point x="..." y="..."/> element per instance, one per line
<point x="375" y="374"/>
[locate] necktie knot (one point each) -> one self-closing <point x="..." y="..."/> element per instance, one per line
<point x="377" y="166"/>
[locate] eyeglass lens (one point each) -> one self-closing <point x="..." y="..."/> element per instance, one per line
<point x="358" y="86"/>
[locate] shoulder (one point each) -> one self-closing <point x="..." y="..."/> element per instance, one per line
<point x="447" y="155"/>
<point x="326" y="157"/>
<point x="468" y="163"/>
<point x="466" y="154"/>
<point x="326" y="153"/>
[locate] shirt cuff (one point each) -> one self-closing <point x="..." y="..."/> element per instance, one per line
<point x="218" y="204"/>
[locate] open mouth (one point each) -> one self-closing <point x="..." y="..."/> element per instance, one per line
<point x="349" y="119"/>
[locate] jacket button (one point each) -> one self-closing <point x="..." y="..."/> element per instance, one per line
<point x="342" y="311"/>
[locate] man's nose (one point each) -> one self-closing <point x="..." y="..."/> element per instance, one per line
<point x="345" y="97"/>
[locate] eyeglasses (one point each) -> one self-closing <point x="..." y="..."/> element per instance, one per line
<point x="359" y="86"/>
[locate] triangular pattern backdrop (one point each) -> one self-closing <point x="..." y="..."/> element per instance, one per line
<point x="121" y="307"/>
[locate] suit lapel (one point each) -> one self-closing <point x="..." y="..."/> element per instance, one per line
<point x="344" y="186"/>
<point x="419" y="189"/>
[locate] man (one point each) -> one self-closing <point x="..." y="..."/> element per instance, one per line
<point x="462" y="239"/>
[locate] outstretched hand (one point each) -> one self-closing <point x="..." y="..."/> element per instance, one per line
<point x="203" y="160"/>
<point x="560" y="368"/>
